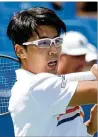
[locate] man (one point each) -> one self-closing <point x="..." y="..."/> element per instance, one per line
<point x="75" y="50"/>
<point x="77" y="53"/>
<point x="37" y="97"/>
<point x="91" y="57"/>
<point x="73" y="54"/>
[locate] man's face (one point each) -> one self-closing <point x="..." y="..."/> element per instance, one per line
<point x="88" y="65"/>
<point x="70" y="64"/>
<point x="38" y="59"/>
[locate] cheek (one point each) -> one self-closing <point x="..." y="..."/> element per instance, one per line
<point x="64" y="64"/>
<point x="37" y="59"/>
<point x="82" y="61"/>
<point x="59" y="50"/>
<point x="71" y="63"/>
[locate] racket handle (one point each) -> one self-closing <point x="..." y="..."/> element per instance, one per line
<point x="80" y="76"/>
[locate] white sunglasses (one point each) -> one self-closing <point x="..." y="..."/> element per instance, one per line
<point x="46" y="42"/>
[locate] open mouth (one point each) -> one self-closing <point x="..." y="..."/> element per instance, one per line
<point x="52" y="63"/>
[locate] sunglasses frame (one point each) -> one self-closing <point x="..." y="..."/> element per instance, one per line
<point x="36" y="42"/>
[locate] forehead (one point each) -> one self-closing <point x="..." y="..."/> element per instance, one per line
<point x="47" y="30"/>
<point x="44" y="31"/>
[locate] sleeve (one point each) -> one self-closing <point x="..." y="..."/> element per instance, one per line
<point x="51" y="95"/>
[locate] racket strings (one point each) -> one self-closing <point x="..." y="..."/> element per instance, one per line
<point x="7" y="80"/>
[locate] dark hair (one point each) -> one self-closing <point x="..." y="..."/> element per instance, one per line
<point x="24" y="23"/>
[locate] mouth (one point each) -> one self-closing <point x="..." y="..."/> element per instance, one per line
<point x="52" y="63"/>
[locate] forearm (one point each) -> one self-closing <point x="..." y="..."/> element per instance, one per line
<point x="88" y="90"/>
<point x="86" y="93"/>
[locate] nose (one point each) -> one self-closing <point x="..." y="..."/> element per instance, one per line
<point x="54" y="50"/>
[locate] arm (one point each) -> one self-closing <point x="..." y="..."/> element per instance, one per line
<point x="91" y="124"/>
<point x="94" y="70"/>
<point x="86" y="93"/>
<point x="89" y="127"/>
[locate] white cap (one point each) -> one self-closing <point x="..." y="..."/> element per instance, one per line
<point x="74" y="43"/>
<point x="92" y="53"/>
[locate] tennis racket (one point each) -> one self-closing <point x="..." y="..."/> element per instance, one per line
<point x="8" y="65"/>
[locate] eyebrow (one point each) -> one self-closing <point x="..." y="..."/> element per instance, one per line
<point x="48" y="37"/>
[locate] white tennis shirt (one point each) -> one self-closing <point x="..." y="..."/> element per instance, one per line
<point x="38" y="106"/>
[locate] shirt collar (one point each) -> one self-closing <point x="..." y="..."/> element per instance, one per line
<point x="21" y="74"/>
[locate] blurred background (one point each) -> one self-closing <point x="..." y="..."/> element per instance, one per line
<point x="78" y="16"/>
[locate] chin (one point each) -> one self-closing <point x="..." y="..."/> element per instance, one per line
<point x="53" y="71"/>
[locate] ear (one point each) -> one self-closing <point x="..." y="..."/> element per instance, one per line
<point x="20" y="51"/>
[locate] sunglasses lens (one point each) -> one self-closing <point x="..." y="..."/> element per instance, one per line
<point x="58" y="41"/>
<point x="44" y="43"/>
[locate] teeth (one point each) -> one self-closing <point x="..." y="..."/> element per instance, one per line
<point x="52" y="63"/>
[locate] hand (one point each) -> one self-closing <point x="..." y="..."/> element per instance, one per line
<point x="94" y="119"/>
<point x="94" y="70"/>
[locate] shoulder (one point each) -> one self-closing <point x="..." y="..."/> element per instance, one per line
<point x="39" y="80"/>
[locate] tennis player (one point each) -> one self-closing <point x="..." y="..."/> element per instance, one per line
<point x="38" y="97"/>
<point x="72" y="59"/>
